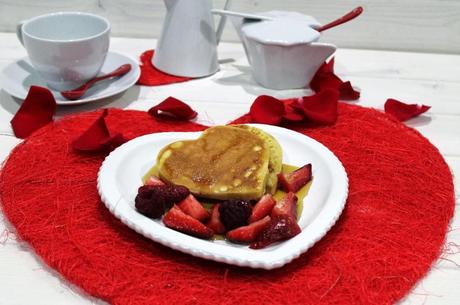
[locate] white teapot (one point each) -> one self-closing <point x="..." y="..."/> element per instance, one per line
<point x="188" y="43"/>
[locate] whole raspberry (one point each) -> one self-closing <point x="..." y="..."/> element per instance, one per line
<point x="234" y="213"/>
<point x="153" y="200"/>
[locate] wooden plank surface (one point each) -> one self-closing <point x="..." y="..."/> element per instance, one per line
<point x="407" y="25"/>
<point x="427" y="78"/>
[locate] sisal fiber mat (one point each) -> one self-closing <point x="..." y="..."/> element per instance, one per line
<point x="401" y="199"/>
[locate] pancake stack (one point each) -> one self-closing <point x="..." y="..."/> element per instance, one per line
<point x="225" y="162"/>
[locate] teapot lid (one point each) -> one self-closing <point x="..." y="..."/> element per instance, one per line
<point x="282" y="31"/>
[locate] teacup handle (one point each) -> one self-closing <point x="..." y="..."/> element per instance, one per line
<point x="19" y="31"/>
<point x="223" y="19"/>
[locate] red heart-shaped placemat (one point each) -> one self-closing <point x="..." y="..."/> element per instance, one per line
<point x="401" y="200"/>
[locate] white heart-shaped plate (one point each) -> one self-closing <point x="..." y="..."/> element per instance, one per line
<point x="121" y="175"/>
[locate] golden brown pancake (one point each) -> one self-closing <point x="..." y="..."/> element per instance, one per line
<point x="225" y="162"/>
<point x="275" y="162"/>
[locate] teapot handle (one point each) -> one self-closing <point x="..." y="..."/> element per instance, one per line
<point x="223" y="19"/>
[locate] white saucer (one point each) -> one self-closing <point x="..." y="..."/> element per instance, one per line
<point x="18" y="76"/>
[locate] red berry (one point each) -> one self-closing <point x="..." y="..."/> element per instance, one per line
<point x="214" y="222"/>
<point x="262" y="208"/>
<point x="176" y="219"/>
<point x="235" y="213"/>
<point x="144" y="188"/>
<point x="153" y="200"/>
<point x="294" y="181"/>
<point x="286" y="206"/>
<point x="280" y="228"/>
<point x="248" y="234"/>
<point x="192" y="207"/>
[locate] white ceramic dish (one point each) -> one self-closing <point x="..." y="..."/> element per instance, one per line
<point x="188" y="41"/>
<point x="18" y="76"/>
<point x="283" y="52"/>
<point x="121" y="174"/>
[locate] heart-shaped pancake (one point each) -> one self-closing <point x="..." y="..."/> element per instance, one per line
<point x="275" y="162"/>
<point x="225" y="162"/>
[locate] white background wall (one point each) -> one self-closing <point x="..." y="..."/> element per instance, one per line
<point x="412" y="25"/>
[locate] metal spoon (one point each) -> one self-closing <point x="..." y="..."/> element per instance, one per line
<point x="242" y="15"/>
<point x="345" y="18"/>
<point x="75" y="94"/>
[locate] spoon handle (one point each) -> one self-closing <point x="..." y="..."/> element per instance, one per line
<point x="118" y="72"/>
<point x="75" y="94"/>
<point x="351" y="15"/>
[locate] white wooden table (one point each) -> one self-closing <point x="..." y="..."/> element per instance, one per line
<point x="431" y="79"/>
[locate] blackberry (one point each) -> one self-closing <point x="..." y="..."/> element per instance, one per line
<point x="153" y="200"/>
<point x="234" y="213"/>
<point x="175" y="194"/>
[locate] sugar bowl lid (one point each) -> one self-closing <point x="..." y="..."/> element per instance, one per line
<point x="285" y="28"/>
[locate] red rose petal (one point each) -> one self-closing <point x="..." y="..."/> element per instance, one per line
<point x="403" y="111"/>
<point x="36" y="111"/>
<point x="292" y="111"/>
<point x="347" y="92"/>
<point x="321" y="108"/>
<point x="116" y="140"/>
<point x="173" y="108"/>
<point x="267" y="110"/>
<point x="97" y="137"/>
<point x="151" y="76"/>
<point x="326" y="79"/>
<point x="327" y="67"/>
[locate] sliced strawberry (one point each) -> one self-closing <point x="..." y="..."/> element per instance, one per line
<point x="280" y="228"/>
<point x="214" y="222"/>
<point x="179" y="221"/>
<point x="286" y="206"/>
<point x="248" y="234"/>
<point x="193" y="207"/>
<point x="293" y="181"/>
<point x="262" y="208"/>
<point x="154" y="181"/>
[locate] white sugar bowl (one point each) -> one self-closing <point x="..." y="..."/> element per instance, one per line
<point x="283" y="52"/>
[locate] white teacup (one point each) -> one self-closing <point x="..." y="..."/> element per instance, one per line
<point x="66" y="48"/>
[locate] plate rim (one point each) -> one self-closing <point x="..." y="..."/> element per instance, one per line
<point x="135" y="77"/>
<point x="325" y="219"/>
